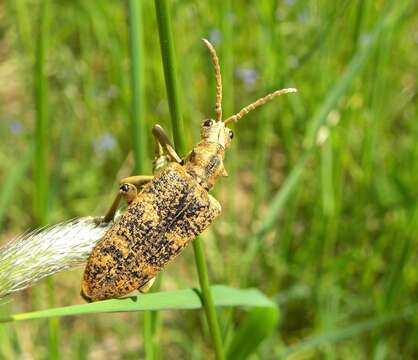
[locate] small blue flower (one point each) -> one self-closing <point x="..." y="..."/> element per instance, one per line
<point x="104" y="144"/>
<point x="247" y="75"/>
<point x="365" y="39"/>
<point x="16" y="128"/>
<point x="303" y="16"/>
<point x="289" y="2"/>
<point x="215" y="36"/>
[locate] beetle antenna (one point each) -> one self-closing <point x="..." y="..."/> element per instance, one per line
<point x="215" y="62"/>
<point x="259" y="102"/>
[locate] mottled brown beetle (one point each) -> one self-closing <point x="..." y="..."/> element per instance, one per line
<point x="165" y="212"/>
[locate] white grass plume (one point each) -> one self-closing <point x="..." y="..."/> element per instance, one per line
<point x="33" y="256"/>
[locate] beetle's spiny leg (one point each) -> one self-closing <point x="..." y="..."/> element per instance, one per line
<point x="218" y="77"/>
<point x="259" y="102"/>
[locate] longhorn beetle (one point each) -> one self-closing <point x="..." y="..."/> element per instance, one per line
<point x="165" y="212"/>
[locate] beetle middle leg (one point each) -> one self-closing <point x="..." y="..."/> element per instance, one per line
<point x="128" y="189"/>
<point x="130" y="186"/>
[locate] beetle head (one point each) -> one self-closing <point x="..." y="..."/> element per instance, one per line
<point x="205" y="161"/>
<point x="213" y="131"/>
<point x="216" y="131"/>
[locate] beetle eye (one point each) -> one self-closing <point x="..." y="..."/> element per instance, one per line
<point x="208" y="123"/>
<point x="124" y="187"/>
<point x="231" y="134"/>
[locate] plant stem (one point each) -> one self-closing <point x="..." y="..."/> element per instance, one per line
<point x="170" y="74"/>
<point x="137" y="86"/>
<point x="138" y="131"/>
<point x="167" y="52"/>
<point x="40" y="196"/>
<point x="207" y="298"/>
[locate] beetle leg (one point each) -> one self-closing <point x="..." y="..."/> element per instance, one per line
<point x="131" y="185"/>
<point x="128" y="191"/>
<point x="145" y="288"/>
<point x="162" y="138"/>
<point x="137" y="180"/>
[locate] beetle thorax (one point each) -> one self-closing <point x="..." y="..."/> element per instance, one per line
<point x="205" y="163"/>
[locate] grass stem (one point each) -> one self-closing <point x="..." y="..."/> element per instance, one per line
<point x="168" y="56"/>
<point x="139" y="129"/>
<point x="40" y="196"/>
<point x="137" y="86"/>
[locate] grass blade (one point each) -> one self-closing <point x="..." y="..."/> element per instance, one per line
<point x="334" y="95"/>
<point x="348" y="332"/>
<point x="15" y="176"/>
<point x="353" y="69"/>
<point x="187" y="299"/>
<point x="258" y="324"/>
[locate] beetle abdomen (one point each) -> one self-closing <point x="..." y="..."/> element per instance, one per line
<point x="165" y="217"/>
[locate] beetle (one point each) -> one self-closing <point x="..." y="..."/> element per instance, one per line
<point x="165" y="212"/>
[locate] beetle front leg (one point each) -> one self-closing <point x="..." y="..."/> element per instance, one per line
<point x="128" y="189"/>
<point x="162" y="138"/>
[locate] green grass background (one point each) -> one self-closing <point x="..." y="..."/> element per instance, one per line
<point x="328" y="231"/>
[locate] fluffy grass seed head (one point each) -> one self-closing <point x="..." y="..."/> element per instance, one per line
<point x="37" y="254"/>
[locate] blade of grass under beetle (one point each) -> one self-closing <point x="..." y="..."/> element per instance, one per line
<point x="186" y="299"/>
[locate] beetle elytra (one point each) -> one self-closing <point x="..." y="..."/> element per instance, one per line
<point x="165" y="212"/>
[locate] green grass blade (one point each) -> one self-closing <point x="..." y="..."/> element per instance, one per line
<point x="187" y="299"/>
<point x="258" y="324"/>
<point x="353" y="69"/>
<point x="209" y="302"/>
<point x="348" y="332"/>
<point x="276" y="206"/>
<point x="280" y="199"/>
<point x="23" y="25"/>
<point x="319" y="118"/>
<point x="13" y="179"/>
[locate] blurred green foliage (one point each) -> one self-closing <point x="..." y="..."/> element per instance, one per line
<point x="328" y="230"/>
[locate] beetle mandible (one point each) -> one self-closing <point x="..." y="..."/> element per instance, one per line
<point x="165" y="212"/>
